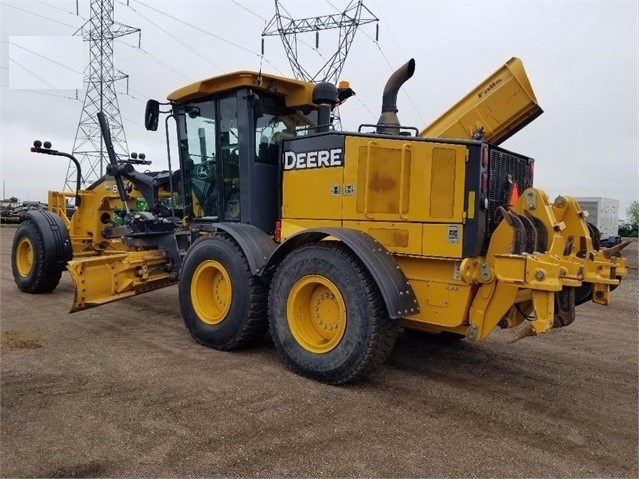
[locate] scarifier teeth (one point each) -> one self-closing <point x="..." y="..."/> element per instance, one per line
<point x="524" y="331"/>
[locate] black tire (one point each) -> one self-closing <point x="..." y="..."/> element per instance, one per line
<point x="583" y="293"/>
<point x="239" y="317"/>
<point x="364" y="334"/>
<point x="32" y="274"/>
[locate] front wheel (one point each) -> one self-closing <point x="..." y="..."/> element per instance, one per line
<point x="32" y="272"/>
<point x="326" y="315"/>
<point x="222" y="304"/>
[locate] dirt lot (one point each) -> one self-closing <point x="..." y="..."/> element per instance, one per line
<point x="123" y="391"/>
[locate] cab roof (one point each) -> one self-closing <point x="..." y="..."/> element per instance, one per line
<point x="296" y="93"/>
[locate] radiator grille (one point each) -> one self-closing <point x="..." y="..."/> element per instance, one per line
<point x="504" y="163"/>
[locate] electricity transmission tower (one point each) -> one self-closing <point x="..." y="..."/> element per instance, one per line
<point x="348" y="21"/>
<point x="100" y="77"/>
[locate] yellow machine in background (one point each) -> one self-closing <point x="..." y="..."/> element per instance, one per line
<point x="334" y="240"/>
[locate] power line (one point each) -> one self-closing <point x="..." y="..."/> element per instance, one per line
<point x="225" y="32"/>
<point x="37" y="15"/>
<point x="42" y="93"/>
<point x="137" y="92"/>
<point x="250" y="11"/>
<point x="132" y="97"/>
<point x="36" y="76"/>
<point x="60" y="8"/>
<point x="365" y="105"/>
<point x="203" y="31"/>
<point x="197" y="28"/>
<point x="41" y="56"/>
<point x="390" y="66"/>
<point x="134" y="122"/>
<point x="400" y="50"/>
<point x="337" y="9"/>
<point x="160" y="62"/>
<point x="173" y="36"/>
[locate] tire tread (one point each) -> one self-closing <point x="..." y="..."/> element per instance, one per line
<point x="256" y="324"/>
<point x="384" y="331"/>
<point x="43" y="280"/>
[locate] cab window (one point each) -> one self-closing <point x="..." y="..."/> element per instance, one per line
<point x="200" y="132"/>
<point x="209" y="138"/>
<point x="275" y="122"/>
<point x="229" y="149"/>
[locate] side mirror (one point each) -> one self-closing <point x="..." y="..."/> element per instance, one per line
<point x="152" y="115"/>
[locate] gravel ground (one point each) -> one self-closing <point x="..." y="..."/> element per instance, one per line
<point x="123" y="391"/>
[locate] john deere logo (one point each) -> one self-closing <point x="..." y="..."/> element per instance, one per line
<point x="489" y="87"/>
<point x="314" y="159"/>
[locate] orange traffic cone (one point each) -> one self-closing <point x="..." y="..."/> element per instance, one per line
<point x="513" y="195"/>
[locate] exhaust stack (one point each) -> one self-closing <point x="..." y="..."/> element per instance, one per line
<point x="388" y="122"/>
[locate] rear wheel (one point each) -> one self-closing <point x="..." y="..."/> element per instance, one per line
<point x="327" y="318"/>
<point x="222" y="304"/>
<point x="31" y="272"/>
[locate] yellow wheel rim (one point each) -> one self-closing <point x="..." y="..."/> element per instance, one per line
<point x="24" y="257"/>
<point x="316" y="314"/>
<point x="211" y="292"/>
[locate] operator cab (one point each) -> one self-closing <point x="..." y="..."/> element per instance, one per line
<point x="229" y="134"/>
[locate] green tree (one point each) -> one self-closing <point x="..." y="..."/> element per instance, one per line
<point x="633" y="213"/>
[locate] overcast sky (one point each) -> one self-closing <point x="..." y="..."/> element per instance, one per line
<point x="581" y="58"/>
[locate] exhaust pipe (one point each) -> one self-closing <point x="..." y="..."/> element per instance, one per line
<point x="388" y="122"/>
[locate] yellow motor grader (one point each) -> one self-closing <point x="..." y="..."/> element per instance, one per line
<point x="336" y="240"/>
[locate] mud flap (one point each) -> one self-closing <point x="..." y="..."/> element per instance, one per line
<point x="398" y="294"/>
